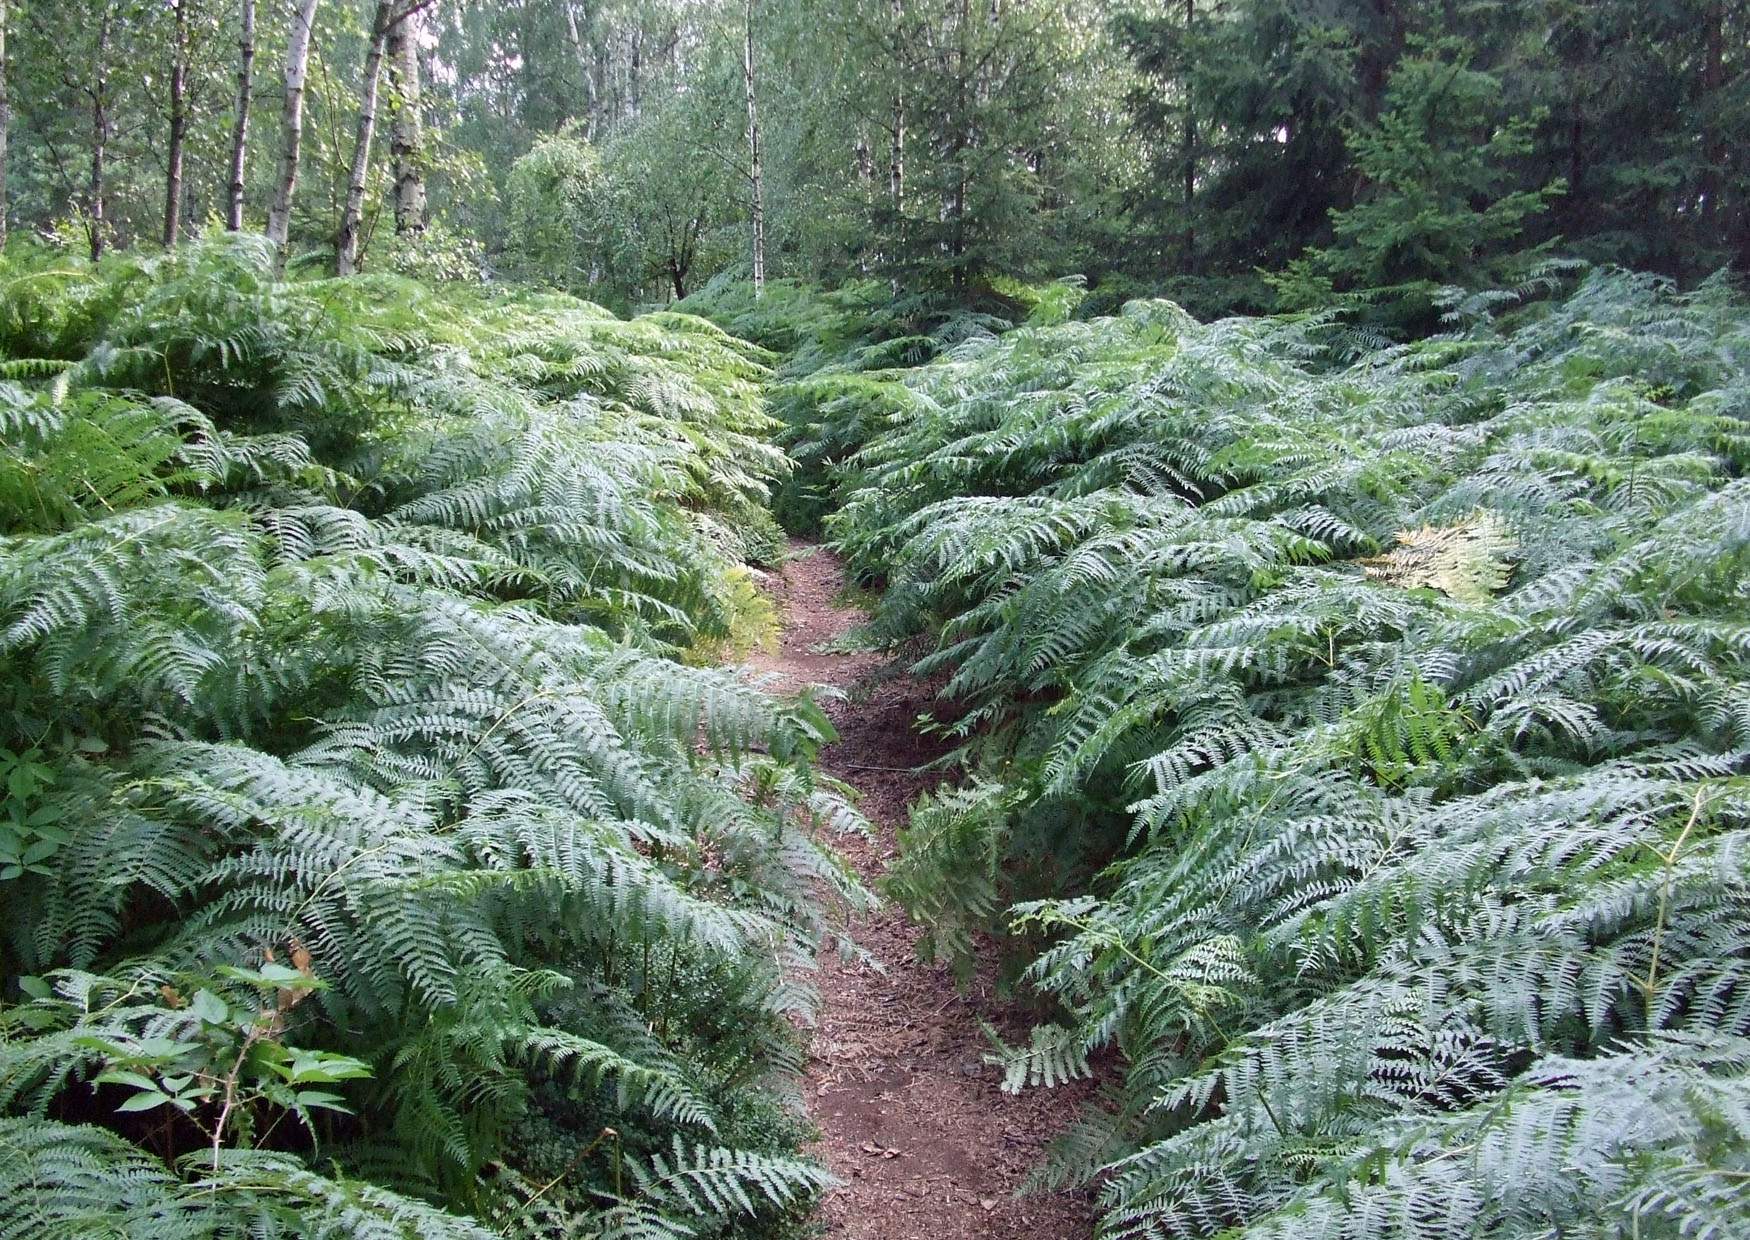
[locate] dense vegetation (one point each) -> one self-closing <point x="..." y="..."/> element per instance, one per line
<point x="1230" y="154"/>
<point x="1365" y="741"/>
<point x="371" y="860"/>
<point x="1348" y="665"/>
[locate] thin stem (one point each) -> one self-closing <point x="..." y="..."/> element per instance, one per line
<point x="1669" y="860"/>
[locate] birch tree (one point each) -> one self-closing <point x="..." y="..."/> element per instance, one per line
<point x="346" y="248"/>
<point x="279" y="216"/>
<point x="406" y="131"/>
<point x="390" y="16"/>
<point x="240" y="121"/>
<point x="756" y="177"/>
<point x="178" y="121"/>
<point x="5" y="116"/>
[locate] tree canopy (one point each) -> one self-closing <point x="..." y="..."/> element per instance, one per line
<point x="1190" y="148"/>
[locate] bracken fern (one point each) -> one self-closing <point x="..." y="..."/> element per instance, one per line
<point x="342" y="718"/>
<point x="1368" y="737"/>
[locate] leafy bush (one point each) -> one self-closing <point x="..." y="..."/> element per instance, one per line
<point x="359" y="823"/>
<point x="843" y="351"/>
<point x="1400" y="704"/>
<point x="553" y="226"/>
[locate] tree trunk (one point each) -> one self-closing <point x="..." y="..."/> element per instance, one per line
<point x="1712" y="78"/>
<point x="346" y="246"/>
<point x="1189" y="142"/>
<point x="94" y="195"/>
<point x="178" y="124"/>
<point x="962" y="142"/>
<point x="755" y="175"/>
<point x="405" y="136"/>
<point x="599" y="92"/>
<point x="279" y="216"/>
<point x="240" y="126"/>
<point x="5" y="116"/>
<point x="896" y="159"/>
<point x="1381" y="48"/>
<point x="635" y="85"/>
<point x="585" y="70"/>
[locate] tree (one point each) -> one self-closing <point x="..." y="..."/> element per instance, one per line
<point x="234" y="185"/>
<point x="896" y="127"/>
<point x="178" y="126"/>
<point x="553" y="232"/>
<point x="5" y="117"/>
<point x="1175" y="84"/>
<point x="1630" y="103"/>
<point x="389" y="17"/>
<point x="1441" y="204"/>
<point x="990" y="115"/>
<point x="669" y="196"/>
<point x="245" y="67"/>
<point x="406" y="127"/>
<point x="97" y="89"/>
<point x="756" y="180"/>
<point x="279" y="216"/>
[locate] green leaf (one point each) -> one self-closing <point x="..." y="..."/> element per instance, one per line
<point x="210" y="1008"/>
<point x="321" y="1067"/>
<point x="324" y="1101"/>
<point x="146" y="1100"/>
<point x="122" y="1077"/>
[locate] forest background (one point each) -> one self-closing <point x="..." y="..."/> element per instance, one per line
<point x="1236" y="155"/>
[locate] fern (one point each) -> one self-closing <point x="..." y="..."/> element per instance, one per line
<point x="1371" y="721"/>
<point x="339" y="623"/>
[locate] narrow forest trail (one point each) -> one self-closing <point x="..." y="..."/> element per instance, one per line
<point x="913" y="1120"/>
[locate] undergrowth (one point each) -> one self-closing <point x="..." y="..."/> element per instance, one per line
<point x="845" y="352"/>
<point x="372" y="864"/>
<point x="1365" y="729"/>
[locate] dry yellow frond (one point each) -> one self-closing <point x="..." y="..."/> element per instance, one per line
<point x="1467" y="561"/>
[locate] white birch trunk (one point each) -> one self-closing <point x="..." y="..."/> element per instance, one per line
<point x="5" y="115"/>
<point x="279" y="216"/>
<point x="346" y="246"/>
<point x="755" y="173"/>
<point x="240" y="125"/>
<point x="405" y="129"/>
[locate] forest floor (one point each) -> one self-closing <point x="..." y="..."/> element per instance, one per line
<point x="913" y="1121"/>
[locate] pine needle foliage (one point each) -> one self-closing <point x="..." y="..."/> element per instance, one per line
<point x="371" y="864"/>
<point x="1365" y="728"/>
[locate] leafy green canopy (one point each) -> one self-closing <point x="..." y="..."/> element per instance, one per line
<point x="1402" y="706"/>
<point x="368" y="861"/>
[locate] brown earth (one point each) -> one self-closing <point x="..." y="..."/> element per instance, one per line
<point x="913" y="1120"/>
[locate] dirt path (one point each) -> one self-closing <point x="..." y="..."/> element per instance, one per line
<point x="913" y="1120"/>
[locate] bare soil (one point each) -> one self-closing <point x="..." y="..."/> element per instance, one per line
<point x="914" y="1122"/>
